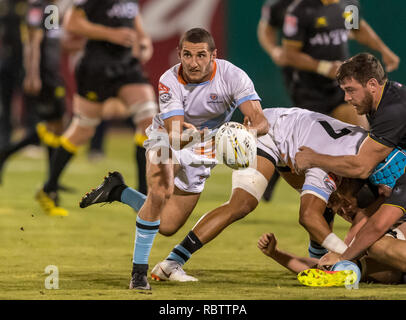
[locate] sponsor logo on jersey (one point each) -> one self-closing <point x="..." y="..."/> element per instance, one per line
<point x="35" y="16"/>
<point x="164" y="94"/>
<point x="330" y="181"/>
<point x="290" y="26"/>
<point x="123" y="10"/>
<point x="214" y="98"/>
<point x="333" y="37"/>
<point x="165" y="97"/>
<point x="321" y="22"/>
<point x="163" y="88"/>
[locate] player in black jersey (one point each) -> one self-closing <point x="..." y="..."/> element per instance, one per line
<point x="367" y="88"/>
<point x="12" y="16"/>
<point x="315" y="42"/>
<point x="107" y="69"/>
<point x="44" y="91"/>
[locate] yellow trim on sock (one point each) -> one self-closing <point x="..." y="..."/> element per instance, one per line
<point x="67" y="145"/>
<point x="48" y="138"/>
<point x="139" y="139"/>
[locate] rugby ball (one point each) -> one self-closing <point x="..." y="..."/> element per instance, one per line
<point x="236" y="147"/>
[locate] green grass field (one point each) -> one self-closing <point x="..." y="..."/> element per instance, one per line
<point x="93" y="248"/>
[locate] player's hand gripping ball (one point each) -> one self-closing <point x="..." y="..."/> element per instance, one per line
<point x="236" y="147"/>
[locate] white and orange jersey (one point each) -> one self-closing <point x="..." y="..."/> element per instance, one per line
<point x="291" y="128"/>
<point x="207" y="104"/>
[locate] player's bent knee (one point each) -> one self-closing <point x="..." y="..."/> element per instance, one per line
<point x="168" y="231"/>
<point x="250" y="180"/>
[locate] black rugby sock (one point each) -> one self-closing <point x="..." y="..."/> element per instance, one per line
<point x="58" y="163"/>
<point x="183" y="251"/>
<point x="141" y="168"/>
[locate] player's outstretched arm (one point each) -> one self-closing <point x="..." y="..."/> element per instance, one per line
<point x="268" y="39"/>
<point x="267" y="244"/>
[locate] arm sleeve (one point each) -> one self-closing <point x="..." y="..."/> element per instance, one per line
<point x="170" y="100"/>
<point x="295" y="24"/>
<point x="242" y="87"/>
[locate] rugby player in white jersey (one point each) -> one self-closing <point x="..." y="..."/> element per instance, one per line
<point x="289" y="129"/>
<point x="195" y="98"/>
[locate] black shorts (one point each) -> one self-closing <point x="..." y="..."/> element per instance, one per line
<point x="322" y="100"/>
<point x="98" y="81"/>
<point x="50" y="103"/>
<point x="398" y="195"/>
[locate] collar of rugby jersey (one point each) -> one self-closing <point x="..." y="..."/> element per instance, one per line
<point x="382" y="93"/>
<point x="182" y="80"/>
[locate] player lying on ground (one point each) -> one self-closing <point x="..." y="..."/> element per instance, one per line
<point x="386" y="259"/>
<point x="371" y="269"/>
<point x="289" y="128"/>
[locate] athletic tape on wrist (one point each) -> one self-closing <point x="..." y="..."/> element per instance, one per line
<point x="324" y="67"/>
<point x="334" y="243"/>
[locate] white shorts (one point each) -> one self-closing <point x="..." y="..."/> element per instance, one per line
<point x="195" y="162"/>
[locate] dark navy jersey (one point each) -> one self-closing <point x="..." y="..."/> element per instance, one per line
<point x="50" y="45"/>
<point x="273" y="11"/>
<point x="388" y="122"/>
<point x="12" y="17"/>
<point x="320" y="31"/>
<point x="110" y="13"/>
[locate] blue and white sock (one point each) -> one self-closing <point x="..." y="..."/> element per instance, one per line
<point x="133" y="198"/>
<point x="144" y="238"/>
<point x="316" y="250"/>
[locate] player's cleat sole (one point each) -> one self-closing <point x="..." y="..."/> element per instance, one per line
<point x="102" y="192"/>
<point x="139" y="282"/>
<point x="169" y="270"/>
<point x="321" y="278"/>
<point x="48" y="205"/>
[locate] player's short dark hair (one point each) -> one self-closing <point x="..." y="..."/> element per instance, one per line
<point x="362" y="67"/>
<point x="198" y="35"/>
